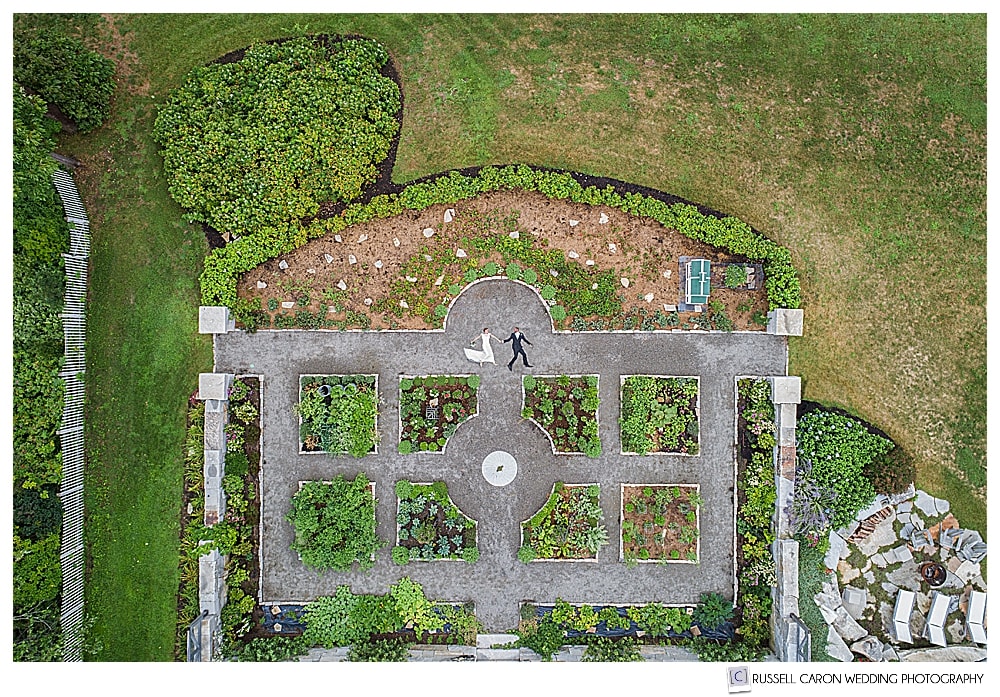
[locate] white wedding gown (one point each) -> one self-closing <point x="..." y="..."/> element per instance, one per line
<point x="484" y="356"/>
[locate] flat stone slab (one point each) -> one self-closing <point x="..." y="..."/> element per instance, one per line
<point x="926" y="503"/>
<point x="499" y="468"/>
<point x="486" y="641"/>
<point x="846" y="626"/>
<point x="855" y="600"/>
<point x="498" y="654"/>
<point x="951" y="654"/>
<point x="838" y="549"/>
<point x="837" y="648"/>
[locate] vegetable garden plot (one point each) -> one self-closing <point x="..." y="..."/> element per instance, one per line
<point x="568" y="527"/>
<point x="660" y="523"/>
<point x="338" y="414"/>
<point x="429" y="526"/>
<point x="432" y="407"/>
<point x="660" y="414"/>
<point x="565" y="408"/>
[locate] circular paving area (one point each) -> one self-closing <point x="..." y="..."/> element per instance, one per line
<point x="499" y="468"/>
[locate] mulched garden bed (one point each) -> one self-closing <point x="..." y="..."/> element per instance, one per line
<point x="430" y="526"/>
<point x="431" y="409"/>
<point x="659" y="414"/>
<point x="660" y="523"/>
<point x="565" y="407"/>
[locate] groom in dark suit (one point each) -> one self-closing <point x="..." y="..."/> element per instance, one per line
<point x="517" y="337"/>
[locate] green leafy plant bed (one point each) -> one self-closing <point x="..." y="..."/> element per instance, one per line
<point x="429" y="526"/>
<point x="338" y="414"/>
<point x="568" y="527"/>
<point x="660" y="523"/>
<point x="565" y="408"/>
<point x="431" y="409"/>
<point x="334" y="523"/>
<point x="659" y="414"/>
<point x="755" y="492"/>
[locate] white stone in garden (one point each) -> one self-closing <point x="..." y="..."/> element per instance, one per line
<point x="879" y="561"/>
<point x="951" y="654"/>
<point x="514" y="235"/>
<point x="362" y="238"/>
<point x="669" y="308"/>
<point x="942" y="506"/>
<point x="590" y="262"/>
<point x="449" y="215"/>
<point x="288" y="304"/>
<point x="403" y="304"/>
<point x="351" y="259"/>
<point x="338" y="238"/>
<point x="428" y="232"/>
<point x="396" y="242"/>
<point x="378" y="263"/>
<point x="668" y="273"/>
<point x="869" y="647"/>
<point x="594" y="286"/>
<point x="369" y="302"/>
<point x="440" y="280"/>
<point x="411" y="279"/>
<point x="869" y="576"/>
<point x="836" y="648"/>
<point x="612" y="247"/>
<point x="846" y="626"/>
<point x="573" y="255"/>
<point x="553" y="272"/>
<point x="904" y="507"/>
<point x="328" y="258"/>
<point x="925" y="502"/>
<point x="282" y="264"/>
<point x="967" y="571"/>
<point x="604" y="219"/>
<point x="625" y="282"/>
<point x="574" y="223"/>
<point x="261" y="285"/>
<point x="837" y="545"/>
<point x="342" y="284"/>
<point x="460" y="253"/>
<point x="648" y="297"/>
<point x="428" y="257"/>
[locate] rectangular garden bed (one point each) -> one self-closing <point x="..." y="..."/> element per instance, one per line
<point x="660" y="414"/>
<point x="338" y="414"/>
<point x="430" y="527"/>
<point x="567" y="528"/>
<point x="565" y="408"/>
<point x="336" y="519"/>
<point x="431" y="407"/>
<point x="660" y="523"/>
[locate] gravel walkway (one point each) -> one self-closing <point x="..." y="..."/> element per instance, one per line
<point x="497" y="583"/>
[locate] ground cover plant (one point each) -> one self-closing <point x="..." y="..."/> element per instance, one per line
<point x="338" y="414"/>
<point x="568" y="526"/>
<point x="432" y="407"/>
<point x="334" y="524"/>
<point x="755" y="500"/>
<point x="316" y="115"/>
<point x="430" y="526"/>
<point x="908" y="204"/>
<point x="566" y="409"/>
<point x="659" y="415"/>
<point x="660" y="523"/>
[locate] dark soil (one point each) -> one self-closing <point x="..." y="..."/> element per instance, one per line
<point x="566" y="442"/>
<point x="454" y="403"/>
<point x="442" y="528"/>
<point x="672" y="547"/>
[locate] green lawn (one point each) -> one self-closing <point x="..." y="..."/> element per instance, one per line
<point x="857" y="141"/>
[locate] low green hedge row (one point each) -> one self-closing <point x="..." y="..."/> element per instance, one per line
<point x="224" y="266"/>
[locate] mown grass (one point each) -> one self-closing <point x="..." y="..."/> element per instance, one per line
<point x="857" y="141"/>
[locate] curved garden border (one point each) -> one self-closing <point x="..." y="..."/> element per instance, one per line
<point x="597" y="414"/>
<point x="399" y="417"/>
<point x="559" y="561"/>
<point x="467" y="517"/>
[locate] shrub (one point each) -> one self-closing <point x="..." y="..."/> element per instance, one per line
<point x="470" y="555"/>
<point x="548" y="292"/>
<point x="405" y="447"/>
<point x="529" y="276"/>
<point x="558" y="313"/>
<point x="526" y="554"/>
<point x="379" y="651"/>
<point x="271" y="649"/>
<point x="66" y="73"/>
<point x="544" y="639"/>
<point x="891" y="473"/>
<point x="713" y="611"/>
<point x="726" y="652"/>
<point x="237" y="463"/>
<point x="400" y="555"/>
<point x="736" y="275"/>
<point x="317" y="119"/>
<point x="37" y="573"/>
<point x="473" y="381"/>
<point x="37" y="513"/>
<point x="606" y="650"/>
<point x="513" y="271"/>
<point x="335" y="524"/>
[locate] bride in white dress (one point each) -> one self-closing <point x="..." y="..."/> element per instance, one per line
<point x="484" y="356"/>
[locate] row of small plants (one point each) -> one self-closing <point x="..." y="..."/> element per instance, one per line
<point x="431" y="409"/>
<point x="315" y="113"/>
<point x="430" y="526"/>
<point x="566" y="409"/>
<point x="756" y="495"/>
<point x="224" y="266"/>
<point x="660" y="523"/>
<point x="659" y="415"/>
<point x="545" y="630"/>
<point x="338" y="414"/>
<point x="376" y="627"/>
<point x="568" y="526"/>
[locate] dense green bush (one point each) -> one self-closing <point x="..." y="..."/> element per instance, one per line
<point x="335" y="524"/>
<point x="265" y="140"/>
<point x="224" y="266"/>
<point x="271" y="649"/>
<point x="726" y="652"/>
<point x="605" y="650"/>
<point x="379" y="651"/>
<point x="713" y="611"/>
<point x="37" y="575"/>
<point x="37" y="513"/>
<point x="343" y="421"/>
<point x="66" y="73"/>
<point x="839" y="449"/>
<point x="891" y="472"/>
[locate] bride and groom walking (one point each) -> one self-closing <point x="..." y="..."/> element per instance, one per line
<point x="486" y="354"/>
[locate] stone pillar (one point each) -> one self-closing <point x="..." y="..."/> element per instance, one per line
<point x="213" y="388"/>
<point x="213" y="319"/>
<point x="211" y="598"/>
<point x="784" y="322"/>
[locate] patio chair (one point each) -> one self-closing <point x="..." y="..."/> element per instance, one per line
<point x="901" y="615"/>
<point x="934" y="629"/>
<point x="975" y="616"/>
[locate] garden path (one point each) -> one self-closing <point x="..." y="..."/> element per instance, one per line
<point x="497" y="583"/>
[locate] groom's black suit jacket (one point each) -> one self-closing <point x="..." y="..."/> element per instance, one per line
<point x="517" y="341"/>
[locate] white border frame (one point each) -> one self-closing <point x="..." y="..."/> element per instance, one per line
<point x="371" y="485"/>
<point x="597" y="414"/>
<point x="399" y="412"/>
<point x="378" y="401"/>
<point x="621" y="533"/>
<point x="621" y="402"/>
<point x="566" y="561"/>
<point x="450" y="499"/>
